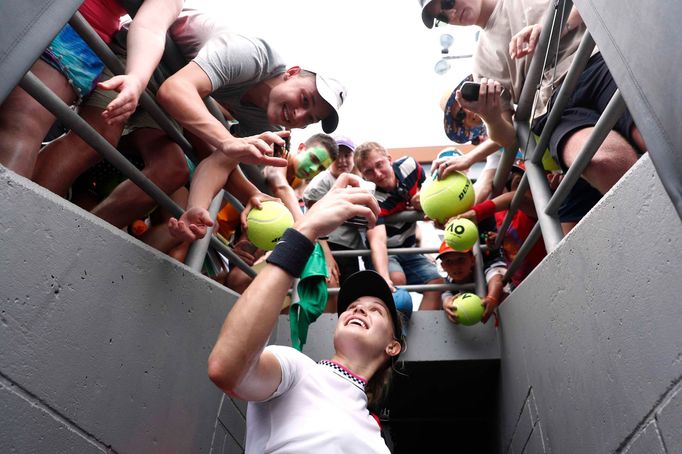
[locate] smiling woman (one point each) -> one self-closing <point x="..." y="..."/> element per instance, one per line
<point x="294" y="403"/>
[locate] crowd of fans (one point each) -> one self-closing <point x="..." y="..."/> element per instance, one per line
<point x="262" y="98"/>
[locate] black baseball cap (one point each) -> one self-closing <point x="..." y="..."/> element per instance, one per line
<point x="369" y="283"/>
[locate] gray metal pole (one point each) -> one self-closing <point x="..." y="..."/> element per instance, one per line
<point x="197" y="251"/>
<point x="527" y="245"/>
<point x="392" y="251"/>
<point x="516" y="201"/>
<point x="614" y="110"/>
<point x="503" y="170"/>
<point x="425" y="288"/>
<point x="539" y="186"/>
<point x="58" y="108"/>
<point x="480" y="284"/>
<point x="547" y="44"/>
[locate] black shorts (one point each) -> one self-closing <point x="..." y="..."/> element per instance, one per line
<point x="592" y="94"/>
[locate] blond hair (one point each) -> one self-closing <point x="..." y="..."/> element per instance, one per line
<point x="363" y="150"/>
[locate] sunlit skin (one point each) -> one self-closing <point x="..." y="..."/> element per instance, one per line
<point x="458" y="265"/>
<point x="365" y="326"/>
<point x="295" y="103"/>
<point x="376" y="168"/>
<point x="343" y="162"/>
<point x="311" y="161"/>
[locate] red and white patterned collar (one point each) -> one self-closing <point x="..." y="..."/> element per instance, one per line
<point x="341" y="371"/>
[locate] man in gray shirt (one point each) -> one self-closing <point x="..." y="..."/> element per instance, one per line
<point x="250" y="80"/>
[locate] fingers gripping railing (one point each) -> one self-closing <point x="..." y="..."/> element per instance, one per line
<point x="197" y="252"/>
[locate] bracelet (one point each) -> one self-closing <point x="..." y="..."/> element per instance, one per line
<point x="484" y="209"/>
<point x="493" y="299"/>
<point x="292" y="252"/>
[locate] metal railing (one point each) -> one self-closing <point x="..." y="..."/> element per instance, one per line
<point x="70" y="119"/>
<point x="546" y="202"/>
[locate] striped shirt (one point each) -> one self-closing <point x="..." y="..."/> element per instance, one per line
<point x="409" y="176"/>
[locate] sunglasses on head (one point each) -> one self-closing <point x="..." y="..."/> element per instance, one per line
<point x="444" y="6"/>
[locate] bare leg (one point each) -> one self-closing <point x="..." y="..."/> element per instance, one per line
<point x="431" y="300"/>
<point x="159" y="237"/>
<point x="24" y="122"/>
<point x="567" y="227"/>
<point x="164" y="164"/>
<point x="613" y="158"/>
<point x="65" y="159"/>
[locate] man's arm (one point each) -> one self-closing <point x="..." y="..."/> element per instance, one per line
<point x="276" y="179"/>
<point x="238" y="364"/>
<point x="145" y="43"/>
<point x="210" y="175"/>
<point x="377" y="238"/>
<point x="181" y="95"/>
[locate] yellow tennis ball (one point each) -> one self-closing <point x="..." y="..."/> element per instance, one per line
<point x="468" y="309"/>
<point x="266" y="226"/>
<point x="461" y="234"/>
<point x="443" y="199"/>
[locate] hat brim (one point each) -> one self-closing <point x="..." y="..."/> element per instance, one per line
<point x="368" y="283"/>
<point x="427" y="18"/>
<point x="331" y="122"/>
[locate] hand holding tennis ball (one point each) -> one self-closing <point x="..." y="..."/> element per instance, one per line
<point x="265" y="226"/>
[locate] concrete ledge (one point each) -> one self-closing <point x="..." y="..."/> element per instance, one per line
<point x="431" y="337"/>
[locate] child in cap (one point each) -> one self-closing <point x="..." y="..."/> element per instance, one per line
<point x="459" y="267"/>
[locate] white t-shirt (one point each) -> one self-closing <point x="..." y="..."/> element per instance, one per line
<point x="318" y="408"/>
<point x="492" y="58"/>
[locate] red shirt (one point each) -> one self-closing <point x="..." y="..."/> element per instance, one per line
<point x="104" y="16"/>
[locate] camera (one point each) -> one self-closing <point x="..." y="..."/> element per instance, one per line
<point x="282" y="151"/>
<point x="470" y="91"/>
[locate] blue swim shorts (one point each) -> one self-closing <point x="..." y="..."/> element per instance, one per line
<point x="71" y="56"/>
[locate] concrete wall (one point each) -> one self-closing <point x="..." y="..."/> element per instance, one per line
<point x="103" y="341"/>
<point x="591" y="343"/>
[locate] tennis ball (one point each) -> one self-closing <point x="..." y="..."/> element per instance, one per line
<point x="443" y="199"/>
<point x="266" y="226"/>
<point x="461" y="234"/>
<point x="468" y="309"/>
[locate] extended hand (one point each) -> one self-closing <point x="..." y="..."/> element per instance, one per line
<point x="449" y="165"/>
<point x="345" y="200"/>
<point x="488" y="106"/>
<point x="255" y="201"/>
<point x="191" y="226"/>
<point x="255" y="149"/>
<point x="524" y="42"/>
<point x="449" y="309"/>
<point x="130" y="89"/>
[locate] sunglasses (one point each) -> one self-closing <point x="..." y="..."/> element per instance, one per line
<point x="459" y="118"/>
<point x="445" y="5"/>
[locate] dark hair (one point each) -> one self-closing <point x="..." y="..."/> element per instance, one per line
<point x="326" y="141"/>
<point x="378" y="386"/>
